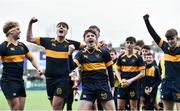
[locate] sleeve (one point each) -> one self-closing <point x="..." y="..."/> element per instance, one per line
<point x="77" y="45"/>
<point x="118" y="64"/>
<point x="158" y="78"/>
<point x="152" y="32"/>
<point x="72" y="65"/>
<point x="26" y="49"/>
<point x="108" y="61"/>
<point x="161" y="43"/>
<point x="77" y="58"/>
<point x="107" y="58"/>
<point x="1" y="50"/>
<point x="141" y="63"/>
<point x="160" y="69"/>
<point x="41" y="41"/>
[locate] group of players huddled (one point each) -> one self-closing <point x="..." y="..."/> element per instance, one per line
<point x="111" y="80"/>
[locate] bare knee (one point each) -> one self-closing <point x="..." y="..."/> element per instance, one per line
<point x="15" y="107"/>
<point x="57" y="103"/>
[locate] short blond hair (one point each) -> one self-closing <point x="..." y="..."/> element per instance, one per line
<point x="9" y="25"/>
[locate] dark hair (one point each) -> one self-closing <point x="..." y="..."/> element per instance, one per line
<point x="113" y="50"/>
<point x="131" y="39"/>
<point x="87" y="31"/>
<point x="63" y="24"/>
<point x="140" y="43"/>
<point x="94" y="27"/>
<point x="149" y="54"/>
<point x="146" y="47"/>
<point x="171" y="33"/>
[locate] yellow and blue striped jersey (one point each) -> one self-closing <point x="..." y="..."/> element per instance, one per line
<point x="57" y="65"/>
<point x="12" y="57"/>
<point x="93" y="64"/>
<point x="130" y="66"/>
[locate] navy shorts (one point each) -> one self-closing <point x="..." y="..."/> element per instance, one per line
<point x="93" y="91"/>
<point x="170" y="90"/>
<point x="57" y="87"/>
<point x="13" y="88"/>
<point x="131" y="92"/>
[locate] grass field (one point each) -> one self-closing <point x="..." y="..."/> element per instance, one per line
<point x="36" y="100"/>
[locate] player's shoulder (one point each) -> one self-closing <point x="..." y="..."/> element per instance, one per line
<point x="71" y="41"/>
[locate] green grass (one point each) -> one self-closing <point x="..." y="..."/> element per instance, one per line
<point x="36" y="100"/>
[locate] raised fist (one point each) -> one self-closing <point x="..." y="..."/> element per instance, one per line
<point x="33" y="20"/>
<point x="146" y="17"/>
<point x="71" y="49"/>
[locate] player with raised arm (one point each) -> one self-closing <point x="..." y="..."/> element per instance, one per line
<point x="57" y="65"/>
<point x="170" y="92"/>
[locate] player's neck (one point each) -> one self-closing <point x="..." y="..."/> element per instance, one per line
<point x="60" y="39"/>
<point x="12" y="40"/>
<point x="129" y="52"/>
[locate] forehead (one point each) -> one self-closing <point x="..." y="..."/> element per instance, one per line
<point x="62" y="24"/>
<point x="132" y="42"/>
<point x="149" y="56"/>
<point x="89" y="33"/>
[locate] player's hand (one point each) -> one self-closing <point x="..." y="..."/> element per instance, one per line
<point x="40" y="72"/>
<point x="128" y="82"/>
<point x="123" y="83"/>
<point x="33" y="20"/>
<point x="71" y="49"/>
<point x="146" y="17"/>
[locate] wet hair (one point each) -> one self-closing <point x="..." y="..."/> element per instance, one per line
<point x="9" y="25"/>
<point x="146" y="47"/>
<point x="63" y="24"/>
<point x="171" y="33"/>
<point x="113" y="50"/>
<point x="87" y="31"/>
<point x="131" y="39"/>
<point x="94" y="27"/>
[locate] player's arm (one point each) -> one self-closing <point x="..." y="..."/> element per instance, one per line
<point x="158" y="78"/>
<point x="118" y="73"/>
<point x="141" y="69"/>
<point x="109" y="65"/>
<point x="139" y="76"/>
<point x="34" y="62"/>
<point x="29" y="31"/>
<point x="151" y="30"/>
<point x="111" y="75"/>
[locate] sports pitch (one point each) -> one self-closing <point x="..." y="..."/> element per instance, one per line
<point x="36" y="100"/>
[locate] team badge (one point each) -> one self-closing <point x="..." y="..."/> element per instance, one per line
<point x="12" y="48"/>
<point x="123" y="60"/>
<point x="133" y="60"/>
<point x="85" y="56"/>
<point x="53" y="44"/>
<point x="97" y="55"/>
<point x="21" y="48"/>
<point x="14" y="94"/>
<point x="58" y="91"/>
<point x="103" y="95"/>
<point x="65" y="45"/>
<point x="132" y="93"/>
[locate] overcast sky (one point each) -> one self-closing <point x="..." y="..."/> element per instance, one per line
<point x="117" y="19"/>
